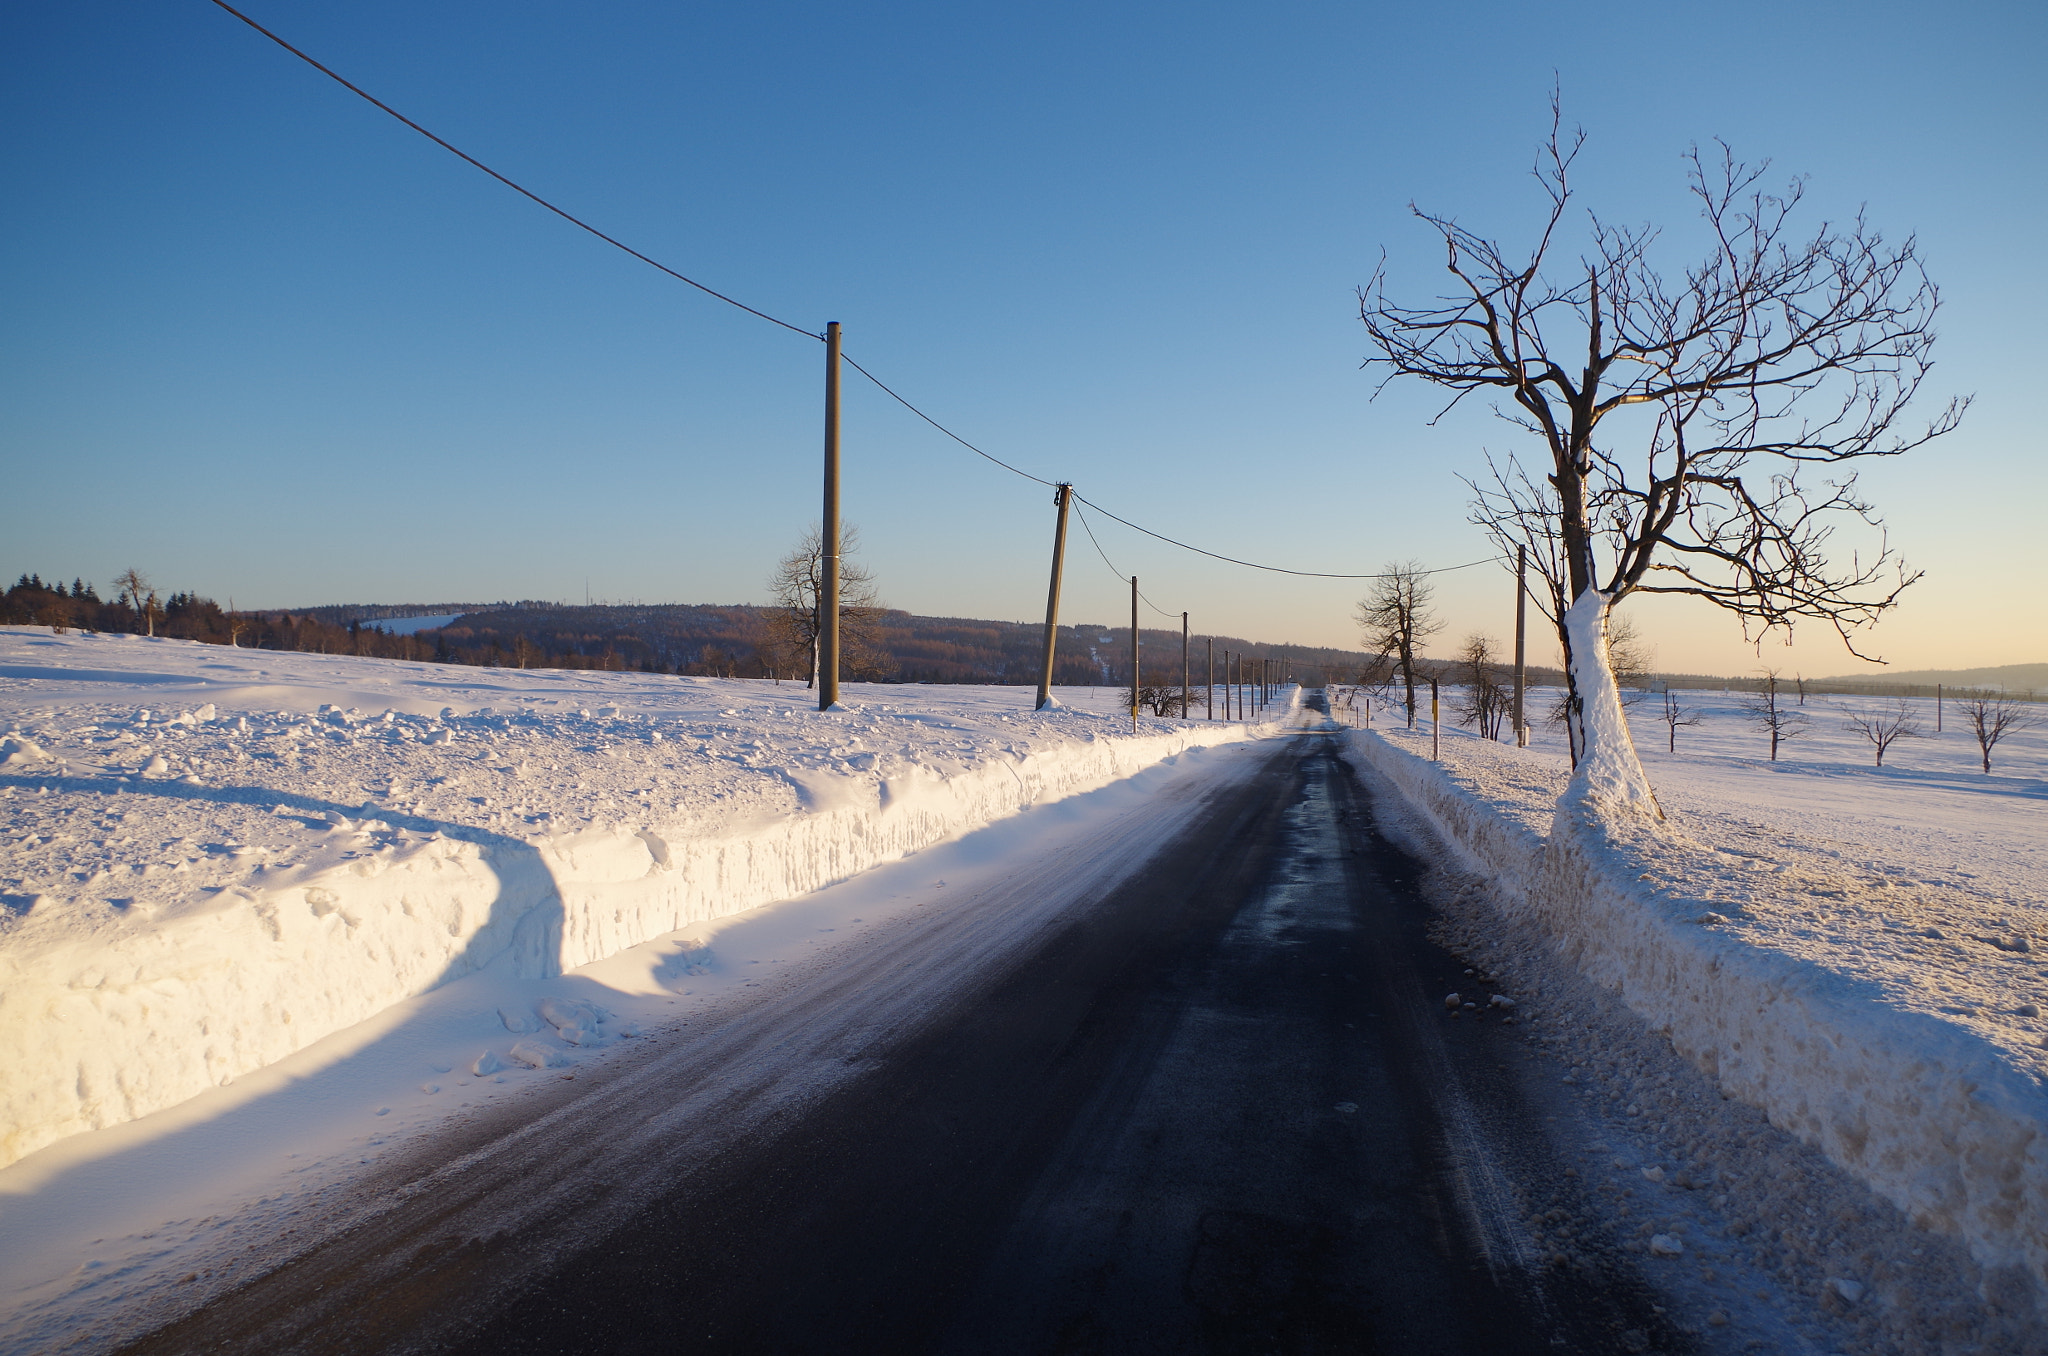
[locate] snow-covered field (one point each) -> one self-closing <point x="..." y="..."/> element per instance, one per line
<point x="1856" y="950"/>
<point x="1925" y="878"/>
<point x="216" y="858"/>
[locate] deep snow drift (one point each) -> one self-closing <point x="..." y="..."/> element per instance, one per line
<point x="1853" y="950"/>
<point x="215" y="858"/>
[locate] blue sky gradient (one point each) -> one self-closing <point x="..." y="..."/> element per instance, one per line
<point x="264" y="342"/>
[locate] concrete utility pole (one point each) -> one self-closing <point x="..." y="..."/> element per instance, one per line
<point x="828" y="585"/>
<point x="1061" y="496"/>
<point x="1183" y="666"/>
<point x="1521" y="642"/>
<point x="1134" y="654"/>
<point x="1209" y="692"/>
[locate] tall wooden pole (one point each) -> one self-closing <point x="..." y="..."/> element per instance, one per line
<point x="828" y="590"/>
<point x="1521" y="642"/>
<point x="1209" y="692"/>
<point x="1183" y="666"/>
<point x="1060" y="497"/>
<point x="1134" y="654"/>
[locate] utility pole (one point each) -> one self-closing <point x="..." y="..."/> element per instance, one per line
<point x="1061" y="496"/>
<point x="1209" y="692"/>
<point x="828" y="590"/>
<point x="1521" y="642"/>
<point x="1436" y="725"/>
<point x="1134" y="654"/>
<point x="1183" y="666"/>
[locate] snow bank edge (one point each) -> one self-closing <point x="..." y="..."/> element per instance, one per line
<point x="181" y="1010"/>
<point x="1929" y="1116"/>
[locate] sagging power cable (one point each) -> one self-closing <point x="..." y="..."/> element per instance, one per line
<point x="1122" y="578"/>
<point x="713" y="292"/>
<point x="515" y="187"/>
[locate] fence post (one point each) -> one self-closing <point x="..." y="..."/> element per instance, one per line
<point x="1061" y="495"/>
<point x="828" y="587"/>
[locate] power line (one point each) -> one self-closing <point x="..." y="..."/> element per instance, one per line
<point x="1275" y="569"/>
<point x="617" y="244"/>
<point x="516" y="188"/>
<point x="1121" y="576"/>
<point x="941" y="427"/>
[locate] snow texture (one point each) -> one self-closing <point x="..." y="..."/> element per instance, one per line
<point x="1875" y="993"/>
<point x="217" y="857"/>
<point x="1609" y="779"/>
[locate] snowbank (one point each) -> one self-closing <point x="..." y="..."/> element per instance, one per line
<point x="1934" y="1115"/>
<point x="216" y="857"/>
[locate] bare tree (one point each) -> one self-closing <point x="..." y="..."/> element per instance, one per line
<point x="1773" y="717"/>
<point x="1483" y="701"/>
<point x="131" y="586"/>
<point x="1884" y="726"/>
<point x="1993" y="718"/>
<point x="794" y="591"/>
<point x="1681" y="417"/>
<point x="1675" y="718"/>
<point x="1631" y="656"/>
<point x="1396" y="619"/>
<point x="1161" y="698"/>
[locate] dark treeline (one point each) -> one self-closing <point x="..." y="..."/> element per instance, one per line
<point x="717" y="641"/>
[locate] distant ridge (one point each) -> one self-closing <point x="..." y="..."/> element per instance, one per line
<point x="2017" y="677"/>
<point x="341" y="614"/>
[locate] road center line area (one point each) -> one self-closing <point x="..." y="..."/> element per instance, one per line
<point x="1179" y="1081"/>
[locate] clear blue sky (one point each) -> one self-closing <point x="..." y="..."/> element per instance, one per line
<point x="264" y="342"/>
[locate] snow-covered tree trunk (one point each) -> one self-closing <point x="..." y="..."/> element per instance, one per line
<point x="1609" y="778"/>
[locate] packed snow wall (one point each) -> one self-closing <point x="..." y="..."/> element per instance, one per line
<point x="116" y="1022"/>
<point x="1934" y="1118"/>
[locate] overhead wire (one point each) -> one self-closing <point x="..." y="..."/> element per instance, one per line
<point x="941" y="427"/>
<point x="713" y="292"/>
<point x="515" y="187"/>
<point x="1274" y="569"/>
<point x="1121" y="576"/>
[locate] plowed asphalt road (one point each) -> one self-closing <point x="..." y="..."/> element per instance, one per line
<point x="1215" y="1104"/>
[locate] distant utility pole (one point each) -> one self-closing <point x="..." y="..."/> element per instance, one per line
<point x="1436" y="725"/>
<point x="828" y="587"/>
<point x="1209" y="693"/>
<point x="1134" y="654"/>
<point x="1183" y="666"/>
<point x="1521" y="642"/>
<point x="1061" y="496"/>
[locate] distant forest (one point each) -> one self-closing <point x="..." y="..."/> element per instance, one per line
<point x="707" y="641"/>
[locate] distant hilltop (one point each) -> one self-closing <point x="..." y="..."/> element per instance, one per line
<point x="341" y="614"/>
<point x="2013" y="677"/>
